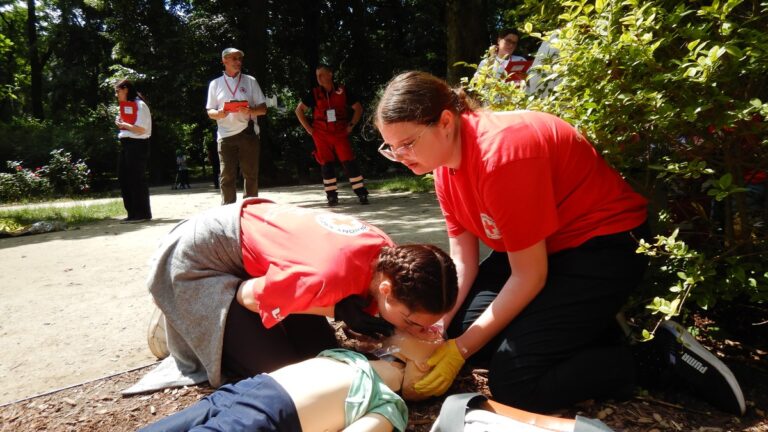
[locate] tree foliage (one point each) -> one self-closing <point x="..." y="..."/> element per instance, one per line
<point x="172" y="49"/>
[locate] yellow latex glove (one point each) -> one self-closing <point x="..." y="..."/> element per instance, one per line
<point x="446" y="363"/>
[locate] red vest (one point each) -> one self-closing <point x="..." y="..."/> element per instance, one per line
<point x="129" y="111"/>
<point x="335" y="99"/>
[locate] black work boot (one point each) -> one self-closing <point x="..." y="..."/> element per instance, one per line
<point x="362" y="195"/>
<point x="333" y="198"/>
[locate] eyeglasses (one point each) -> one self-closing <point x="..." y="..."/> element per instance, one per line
<point x="405" y="150"/>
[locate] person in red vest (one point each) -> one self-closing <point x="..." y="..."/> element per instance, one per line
<point x="331" y="125"/>
<point x="134" y="126"/>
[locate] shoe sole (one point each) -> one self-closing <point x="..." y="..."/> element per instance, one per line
<point x="156" y="338"/>
<point x="133" y="221"/>
<point x="698" y="358"/>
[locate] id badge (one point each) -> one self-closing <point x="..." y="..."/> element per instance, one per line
<point x="330" y="115"/>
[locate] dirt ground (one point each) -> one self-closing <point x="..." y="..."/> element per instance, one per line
<point x="74" y="312"/>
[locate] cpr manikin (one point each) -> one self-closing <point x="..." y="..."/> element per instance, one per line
<point x="338" y="390"/>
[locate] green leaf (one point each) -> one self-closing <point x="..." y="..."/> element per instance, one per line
<point x="528" y="27"/>
<point x="725" y="181"/>
<point x="599" y="5"/>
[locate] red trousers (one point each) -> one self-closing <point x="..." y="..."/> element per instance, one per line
<point x="331" y="143"/>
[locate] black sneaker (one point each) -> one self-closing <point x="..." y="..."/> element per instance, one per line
<point x="333" y="201"/>
<point x="363" y="199"/>
<point x="698" y="367"/>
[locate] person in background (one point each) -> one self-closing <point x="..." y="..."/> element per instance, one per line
<point x="563" y="227"/>
<point x="182" y="171"/>
<point x="503" y="57"/>
<point x="330" y="129"/>
<point x="134" y="126"/>
<point x="247" y="288"/>
<point x="235" y="100"/>
<point x="213" y="159"/>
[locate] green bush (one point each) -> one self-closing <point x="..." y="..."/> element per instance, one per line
<point x="66" y="177"/>
<point x="90" y="137"/>
<point x="22" y="183"/>
<point x="673" y="95"/>
<point x="60" y="177"/>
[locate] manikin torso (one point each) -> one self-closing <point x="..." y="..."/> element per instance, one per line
<point x="319" y="388"/>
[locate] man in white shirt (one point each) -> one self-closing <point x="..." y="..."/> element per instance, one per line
<point x="234" y="100"/>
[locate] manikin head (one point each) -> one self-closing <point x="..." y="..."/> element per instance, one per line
<point x="413" y="353"/>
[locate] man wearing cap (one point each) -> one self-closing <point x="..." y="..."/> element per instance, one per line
<point x="234" y="101"/>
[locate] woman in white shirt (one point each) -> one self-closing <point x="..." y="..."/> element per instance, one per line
<point x="135" y="129"/>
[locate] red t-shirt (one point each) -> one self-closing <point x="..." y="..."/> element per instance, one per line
<point x="309" y="258"/>
<point x="527" y="176"/>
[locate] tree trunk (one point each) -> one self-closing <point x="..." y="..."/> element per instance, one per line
<point x="310" y="48"/>
<point x="256" y="42"/>
<point x="466" y="36"/>
<point x="36" y="72"/>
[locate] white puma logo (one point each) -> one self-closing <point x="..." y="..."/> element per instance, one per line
<point x="694" y="363"/>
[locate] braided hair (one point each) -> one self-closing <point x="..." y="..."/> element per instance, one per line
<point x="423" y="277"/>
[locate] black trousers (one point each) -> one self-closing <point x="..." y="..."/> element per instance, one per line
<point x="250" y="348"/>
<point x="561" y="349"/>
<point x="131" y="173"/>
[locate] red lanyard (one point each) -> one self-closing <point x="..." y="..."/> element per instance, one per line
<point x="239" y="76"/>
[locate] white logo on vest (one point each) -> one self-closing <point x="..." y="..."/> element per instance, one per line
<point x="340" y="224"/>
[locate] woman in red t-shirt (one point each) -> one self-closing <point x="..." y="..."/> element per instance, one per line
<point x="248" y="288"/>
<point x="540" y="311"/>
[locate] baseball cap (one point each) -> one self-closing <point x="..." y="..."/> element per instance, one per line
<point x="229" y="51"/>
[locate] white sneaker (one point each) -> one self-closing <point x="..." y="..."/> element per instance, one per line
<point x="156" y="338"/>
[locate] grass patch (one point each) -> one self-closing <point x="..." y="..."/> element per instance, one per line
<point x="76" y="214"/>
<point x="423" y="183"/>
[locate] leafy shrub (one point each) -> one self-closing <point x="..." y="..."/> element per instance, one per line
<point x="90" y="137"/>
<point x="67" y="178"/>
<point x="22" y="183"/>
<point x="673" y="95"/>
<point x="61" y="176"/>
